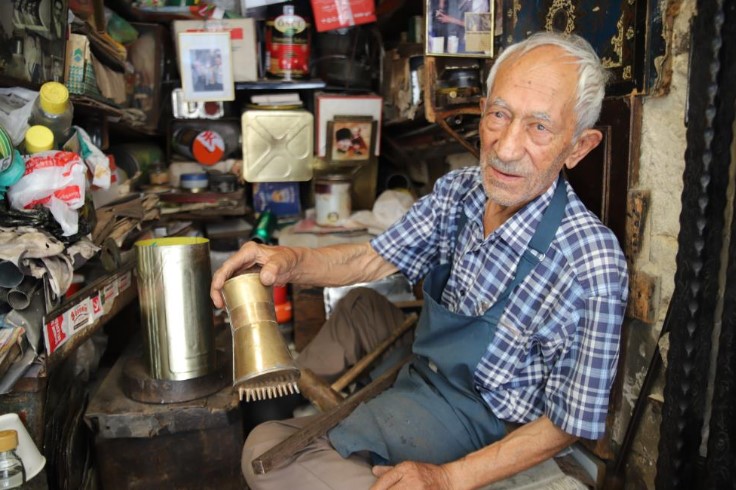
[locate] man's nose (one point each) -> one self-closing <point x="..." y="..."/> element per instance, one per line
<point x="510" y="143"/>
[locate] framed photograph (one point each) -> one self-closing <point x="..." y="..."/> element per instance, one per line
<point x="332" y="106"/>
<point x="205" y="66"/>
<point x="34" y="40"/>
<point x="351" y="139"/>
<point x="460" y="28"/>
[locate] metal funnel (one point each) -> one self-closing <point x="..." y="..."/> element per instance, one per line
<point x="262" y="364"/>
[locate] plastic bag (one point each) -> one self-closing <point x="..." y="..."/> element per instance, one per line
<point x="15" y="109"/>
<point x="55" y="180"/>
<point x="97" y="162"/>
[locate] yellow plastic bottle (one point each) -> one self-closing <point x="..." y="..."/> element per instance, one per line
<point x="38" y="138"/>
<point x="54" y="110"/>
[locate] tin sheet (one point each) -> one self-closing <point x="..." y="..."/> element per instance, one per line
<point x="277" y="145"/>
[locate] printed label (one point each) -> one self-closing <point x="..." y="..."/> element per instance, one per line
<point x="55" y="332"/>
<point x="81" y="315"/>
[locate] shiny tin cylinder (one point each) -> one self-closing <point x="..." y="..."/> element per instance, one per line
<point x="260" y="355"/>
<point x="173" y="277"/>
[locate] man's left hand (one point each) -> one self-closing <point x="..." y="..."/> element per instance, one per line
<point x="412" y="476"/>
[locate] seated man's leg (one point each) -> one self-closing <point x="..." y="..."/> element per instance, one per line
<point x="318" y="466"/>
<point x="361" y="320"/>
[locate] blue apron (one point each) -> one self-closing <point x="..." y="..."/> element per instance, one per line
<point x="433" y="413"/>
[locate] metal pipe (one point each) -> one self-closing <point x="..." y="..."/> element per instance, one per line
<point x="19" y="297"/>
<point x="10" y="274"/>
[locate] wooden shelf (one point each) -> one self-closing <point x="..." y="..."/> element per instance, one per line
<point x="67" y="326"/>
<point x="269" y="84"/>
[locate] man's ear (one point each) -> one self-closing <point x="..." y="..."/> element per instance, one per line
<point x="482" y="105"/>
<point x="589" y="139"/>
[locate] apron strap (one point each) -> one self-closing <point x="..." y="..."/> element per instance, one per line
<point x="540" y="242"/>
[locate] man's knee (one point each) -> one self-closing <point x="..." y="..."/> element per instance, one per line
<point x="262" y="438"/>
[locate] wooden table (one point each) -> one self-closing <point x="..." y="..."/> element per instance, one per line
<point x="195" y="444"/>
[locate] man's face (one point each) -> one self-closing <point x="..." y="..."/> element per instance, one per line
<point x="528" y="126"/>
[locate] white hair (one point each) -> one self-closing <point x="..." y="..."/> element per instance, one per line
<point x="592" y="77"/>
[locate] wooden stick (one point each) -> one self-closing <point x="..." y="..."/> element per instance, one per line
<point x="368" y="359"/>
<point x="323" y="422"/>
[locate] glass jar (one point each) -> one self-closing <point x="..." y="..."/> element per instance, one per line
<point x="12" y="473"/>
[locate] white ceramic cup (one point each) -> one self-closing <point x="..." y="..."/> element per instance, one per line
<point x="33" y="460"/>
<point x="437" y="44"/>
<point x="452" y="43"/>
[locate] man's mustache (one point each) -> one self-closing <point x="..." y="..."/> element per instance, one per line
<point x="512" y="168"/>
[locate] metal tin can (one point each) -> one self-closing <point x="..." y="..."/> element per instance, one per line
<point x="287" y="45"/>
<point x="332" y="199"/>
<point x="277" y="144"/>
<point x="173" y="277"/>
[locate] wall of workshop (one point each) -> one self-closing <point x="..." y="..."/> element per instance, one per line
<point x="660" y="174"/>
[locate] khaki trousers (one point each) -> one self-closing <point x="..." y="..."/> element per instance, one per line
<point x="361" y="320"/>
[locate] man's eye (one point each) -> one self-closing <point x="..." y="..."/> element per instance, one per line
<point x="540" y="127"/>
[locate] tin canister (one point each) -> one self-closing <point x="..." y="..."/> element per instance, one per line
<point x="278" y="143"/>
<point x="173" y="277"/>
<point x="332" y="199"/>
<point x="287" y="44"/>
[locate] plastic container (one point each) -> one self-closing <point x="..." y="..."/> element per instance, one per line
<point x="53" y="109"/>
<point x="38" y="138"/>
<point x="194" y="182"/>
<point x="12" y="472"/>
<point x="158" y="174"/>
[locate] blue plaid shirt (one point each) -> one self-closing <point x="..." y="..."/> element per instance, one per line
<point x="557" y="343"/>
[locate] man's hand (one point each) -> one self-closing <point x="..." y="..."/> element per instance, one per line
<point x="411" y="476"/>
<point x="277" y="265"/>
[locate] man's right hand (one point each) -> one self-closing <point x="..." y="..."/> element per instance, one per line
<point x="277" y="267"/>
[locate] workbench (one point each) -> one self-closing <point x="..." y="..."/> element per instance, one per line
<point x="187" y="445"/>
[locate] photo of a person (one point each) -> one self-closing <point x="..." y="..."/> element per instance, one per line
<point x="205" y="65"/>
<point x="351" y="140"/>
<point x="207" y="70"/>
<point x="448" y="25"/>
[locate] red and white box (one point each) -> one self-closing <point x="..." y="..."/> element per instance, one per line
<point x="335" y="14"/>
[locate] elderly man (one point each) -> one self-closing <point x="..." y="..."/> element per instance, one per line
<point x="525" y="291"/>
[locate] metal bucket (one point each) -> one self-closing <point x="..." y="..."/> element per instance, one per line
<point x="173" y="285"/>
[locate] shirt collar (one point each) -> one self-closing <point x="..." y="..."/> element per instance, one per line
<point x="518" y="230"/>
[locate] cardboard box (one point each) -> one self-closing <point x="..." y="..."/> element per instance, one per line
<point x="242" y="40"/>
<point x="282" y="198"/>
<point x="335" y="14"/>
<point x="77" y="57"/>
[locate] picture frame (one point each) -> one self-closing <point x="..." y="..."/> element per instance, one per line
<point x="462" y="28"/>
<point x="351" y="139"/>
<point x="34" y="47"/>
<point x="205" y="66"/>
<point x="328" y="106"/>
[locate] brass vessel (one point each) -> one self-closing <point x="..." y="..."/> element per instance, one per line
<point x="262" y="364"/>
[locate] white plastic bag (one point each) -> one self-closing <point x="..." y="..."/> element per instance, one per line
<point x="97" y="162"/>
<point x="53" y="179"/>
<point x="15" y="109"/>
